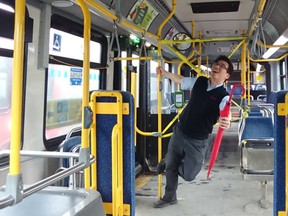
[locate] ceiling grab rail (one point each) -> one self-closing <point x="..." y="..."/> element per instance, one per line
<point x="114" y="36"/>
<point x="123" y="21"/>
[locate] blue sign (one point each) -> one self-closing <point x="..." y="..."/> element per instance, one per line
<point x="57" y="42"/>
<point x="76" y="76"/>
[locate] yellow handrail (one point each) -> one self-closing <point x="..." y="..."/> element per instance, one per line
<point x="132" y="58"/>
<point x="257" y="17"/>
<point x="201" y="40"/>
<point x="243" y="65"/>
<point x="248" y="79"/>
<point x="269" y="60"/>
<point x="114" y="156"/>
<point x="236" y="48"/>
<point x="114" y="17"/>
<point x="133" y="92"/>
<point x="116" y="149"/>
<point x="270" y="46"/>
<point x="173" y="120"/>
<point x="184" y="59"/>
<point x="159" y="95"/>
<point x="17" y="93"/>
<point x="85" y="83"/>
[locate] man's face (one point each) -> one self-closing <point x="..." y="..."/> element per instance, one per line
<point x="220" y="71"/>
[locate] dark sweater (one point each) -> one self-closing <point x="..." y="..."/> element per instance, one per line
<point x="202" y="110"/>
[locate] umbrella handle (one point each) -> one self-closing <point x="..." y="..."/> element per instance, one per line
<point x="233" y="89"/>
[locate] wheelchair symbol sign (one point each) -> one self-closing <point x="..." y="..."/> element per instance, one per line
<point x="57" y="42"/>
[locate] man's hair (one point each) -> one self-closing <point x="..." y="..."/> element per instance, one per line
<point x="226" y="59"/>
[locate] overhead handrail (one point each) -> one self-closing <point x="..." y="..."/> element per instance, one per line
<point x="257" y="17"/>
<point x="236" y="48"/>
<point x="143" y="47"/>
<point x="123" y="21"/>
<point x="133" y="58"/>
<point x="201" y="40"/>
<point x="184" y="59"/>
<point x="114" y="36"/>
<point x="268" y="60"/>
<point x="270" y="46"/>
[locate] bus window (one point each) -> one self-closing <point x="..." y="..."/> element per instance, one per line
<point x="166" y="90"/>
<point x="5" y="101"/>
<point x="64" y="87"/>
<point x="136" y="63"/>
<point x="124" y="71"/>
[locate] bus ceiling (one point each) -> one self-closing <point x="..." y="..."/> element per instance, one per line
<point x="213" y="19"/>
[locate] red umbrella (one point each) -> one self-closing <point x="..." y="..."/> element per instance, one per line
<point x="223" y="113"/>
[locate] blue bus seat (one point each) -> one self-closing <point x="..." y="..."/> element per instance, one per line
<point x="70" y="144"/>
<point x="104" y="126"/>
<point x="279" y="159"/>
<point x="257" y="146"/>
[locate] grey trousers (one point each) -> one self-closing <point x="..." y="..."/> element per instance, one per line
<point x="184" y="157"/>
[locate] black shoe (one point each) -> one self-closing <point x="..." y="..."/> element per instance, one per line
<point x="163" y="203"/>
<point x="161" y="166"/>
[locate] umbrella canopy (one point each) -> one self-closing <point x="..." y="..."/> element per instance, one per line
<point x="223" y="113"/>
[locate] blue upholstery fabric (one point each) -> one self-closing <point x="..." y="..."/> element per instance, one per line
<point x="255" y="114"/>
<point x="255" y="109"/>
<point x="257" y="127"/>
<point x="104" y="126"/>
<point x="279" y="156"/>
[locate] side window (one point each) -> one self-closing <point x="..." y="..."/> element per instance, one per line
<point x="166" y="90"/>
<point x="124" y="71"/>
<point x="64" y="87"/>
<point x="136" y="63"/>
<point x="5" y="101"/>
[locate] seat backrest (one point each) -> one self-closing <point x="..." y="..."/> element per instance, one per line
<point x="255" y="113"/>
<point x="257" y="127"/>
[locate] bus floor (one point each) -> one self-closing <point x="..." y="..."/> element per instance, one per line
<point x="224" y="194"/>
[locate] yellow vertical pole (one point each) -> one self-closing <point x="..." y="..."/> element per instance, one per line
<point x="85" y="82"/>
<point x="248" y="79"/>
<point x="193" y="33"/>
<point x="133" y="92"/>
<point x="160" y="95"/>
<point x="207" y="65"/>
<point x="17" y="93"/>
<point x="200" y="52"/>
<point x="115" y="177"/>
<point x="179" y="72"/>
<point x="120" y="156"/>
<point x="243" y="66"/>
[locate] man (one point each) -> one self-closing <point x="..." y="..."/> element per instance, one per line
<point x="187" y="145"/>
